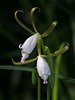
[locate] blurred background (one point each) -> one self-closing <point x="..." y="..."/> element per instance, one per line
<point x="17" y="85"/>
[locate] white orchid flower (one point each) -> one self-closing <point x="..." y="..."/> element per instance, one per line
<point x="43" y="69"/>
<point x="28" y="46"/>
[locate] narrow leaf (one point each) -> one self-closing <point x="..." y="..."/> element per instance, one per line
<point x="21" y="68"/>
<point x="69" y="79"/>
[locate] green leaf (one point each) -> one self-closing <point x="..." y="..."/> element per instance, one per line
<point x="34" y="77"/>
<point x="21" y="68"/>
<point x="69" y="79"/>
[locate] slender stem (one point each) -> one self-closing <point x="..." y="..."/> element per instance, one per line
<point x="39" y="45"/>
<point x="55" y="89"/>
<point x="39" y="53"/>
<point x="39" y="89"/>
<point x="48" y="91"/>
<point x="39" y="50"/>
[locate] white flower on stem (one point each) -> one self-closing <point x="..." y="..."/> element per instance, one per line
<point x="43" y="69"/>
<point x="28" y="46"/>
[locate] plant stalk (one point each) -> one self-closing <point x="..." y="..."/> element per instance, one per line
<point x="39" y="89"/>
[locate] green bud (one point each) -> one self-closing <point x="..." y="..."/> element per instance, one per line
<point x="34" y="77"/>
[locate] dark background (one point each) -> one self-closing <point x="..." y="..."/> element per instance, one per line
<point x="16" y="85"/>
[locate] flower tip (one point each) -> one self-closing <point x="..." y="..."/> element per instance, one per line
<point x="55" y="22"/>
<point x="20" y="46"/>
<point x="45" y="82"/>
<point x="24" y="57"/>
<point x="22" y="60"/>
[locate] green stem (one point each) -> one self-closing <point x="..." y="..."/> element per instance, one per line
<point x="48" y="91"/>
<point x="39" y="89"/>
<point x="39" y="49"/>
<point x="39" y="45"/>
<point x="55" y="89"/>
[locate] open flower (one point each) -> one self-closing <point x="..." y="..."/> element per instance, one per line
<point x="28" y="46"/>
<point x="43" y="69"/>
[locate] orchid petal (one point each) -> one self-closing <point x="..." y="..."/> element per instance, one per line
<point x="27" y="47"/>
<point x="29" y="44"/>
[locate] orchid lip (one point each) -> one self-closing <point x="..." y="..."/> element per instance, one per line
<point x="24" y="57"/>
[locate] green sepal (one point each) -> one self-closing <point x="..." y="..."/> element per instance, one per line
<point x="31" y="16"/>
<point x="50" y="29"/>
<point x="34" y="77"/>
<point x="58" y="52"/>
<point x="21" y="24"/>
<point x="26" y="62"/>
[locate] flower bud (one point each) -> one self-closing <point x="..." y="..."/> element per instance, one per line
<point x="43" y="69"/>
<point x="28" y="46"/>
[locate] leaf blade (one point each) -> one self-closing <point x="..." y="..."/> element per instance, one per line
<point x="21" y="68"/>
